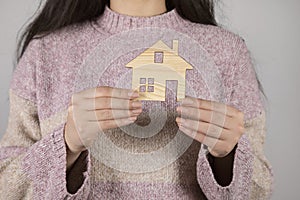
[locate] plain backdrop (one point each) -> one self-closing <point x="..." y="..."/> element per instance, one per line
<point x="272" y="32"/>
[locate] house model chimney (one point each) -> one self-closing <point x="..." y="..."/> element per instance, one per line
<point x="175" y="47"/>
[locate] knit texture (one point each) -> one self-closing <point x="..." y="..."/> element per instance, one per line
<point x="33" y="151"/>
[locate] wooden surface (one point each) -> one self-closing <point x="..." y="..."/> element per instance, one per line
<point x="172" y="67"/>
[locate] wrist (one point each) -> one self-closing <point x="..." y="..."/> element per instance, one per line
<point x="70" y="146"/>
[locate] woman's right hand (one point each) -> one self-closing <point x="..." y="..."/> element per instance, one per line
<point x="98" y="109"/>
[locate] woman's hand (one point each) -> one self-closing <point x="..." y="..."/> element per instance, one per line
<point x="98" y="109"/>
<point x="214" y="124"/>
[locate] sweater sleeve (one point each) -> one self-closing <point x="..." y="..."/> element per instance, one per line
<point x="252" y="173"/>
<point x="33" y="165"/>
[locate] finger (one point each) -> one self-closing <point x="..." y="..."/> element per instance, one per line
<point x="110" y="124"/>
<point x="209" y="105"/>
<point x="212" y="117"/>
<point x="108" y="114"/>
<point x="204" y="139"/>
<point x="105" y="91"/>
<point x="110" y="103"/>
<point x="208" y="129"/>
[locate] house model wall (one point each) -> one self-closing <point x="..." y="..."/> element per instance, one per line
<point x="154" y="67"/>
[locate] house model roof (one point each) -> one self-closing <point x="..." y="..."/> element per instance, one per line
<point x="171" y="58"/>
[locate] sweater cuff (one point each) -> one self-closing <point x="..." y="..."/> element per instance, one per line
<point x="242" y="174"/>
<point x="45" y="165"/>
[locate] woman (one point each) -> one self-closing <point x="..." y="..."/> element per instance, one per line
<point x="46" y="150"/>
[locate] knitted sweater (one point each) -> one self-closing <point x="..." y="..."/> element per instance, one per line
<point x="91" y="54"/>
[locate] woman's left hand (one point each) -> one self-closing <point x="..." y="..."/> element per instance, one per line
<point x="214" y="124"/>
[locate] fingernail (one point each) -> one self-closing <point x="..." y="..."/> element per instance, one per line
<point x="132" y="119"/>
<point x="133" y="94"/>
<point x="180" y="120"/>
<point x="137" y="111"/>
<point x="178" y="109"/>
<point x="136" y="104"/>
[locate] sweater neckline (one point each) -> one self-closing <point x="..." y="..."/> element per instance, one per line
<point x="113" y="22"/>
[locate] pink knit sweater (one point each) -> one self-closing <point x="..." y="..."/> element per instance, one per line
<point x="91" y="54"/>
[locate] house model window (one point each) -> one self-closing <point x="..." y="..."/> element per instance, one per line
<point x="146" y="85"/>
<point x="158" y="57"/>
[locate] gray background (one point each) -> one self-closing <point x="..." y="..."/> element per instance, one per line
<point x="271" y="30"/>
